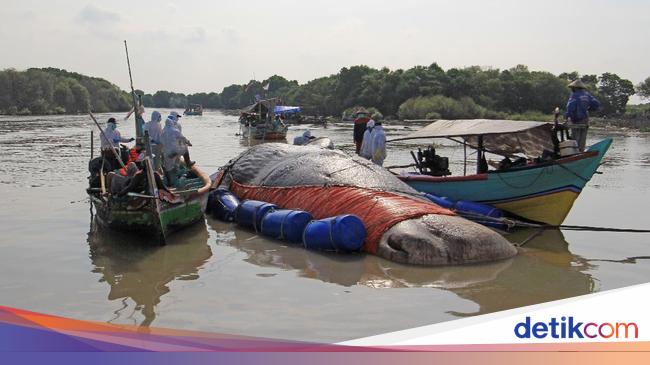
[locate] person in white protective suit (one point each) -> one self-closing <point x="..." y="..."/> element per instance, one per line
<point x="304" y="139"/>
<point x="111" y="139"/>
<point x="154" y="129"/>
<point x="366" y="145"/>
<point x="173" y="142"/>
<point x="378" y="146"/>
<point x="184" y="151"/>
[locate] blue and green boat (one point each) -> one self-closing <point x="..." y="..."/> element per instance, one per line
<point x="542" y="188"/>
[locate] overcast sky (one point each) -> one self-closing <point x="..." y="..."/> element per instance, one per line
<point x="193" y="45"/>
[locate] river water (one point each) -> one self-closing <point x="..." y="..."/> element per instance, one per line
<point x="216" y="277"/>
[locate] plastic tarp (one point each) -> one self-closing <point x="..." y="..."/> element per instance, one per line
<point x="283" y="109"/>
<point x="504" y="137"/>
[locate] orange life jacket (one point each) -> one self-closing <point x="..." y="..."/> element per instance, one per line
<point x="133" y="157"/>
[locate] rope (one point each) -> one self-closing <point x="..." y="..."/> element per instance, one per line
<point x="574" y="173"/>
<point x="541" y="172"/>
<point x="511" y="223"/>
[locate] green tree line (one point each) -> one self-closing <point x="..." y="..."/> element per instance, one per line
<point x="55" y="91"/>
<point x="418" y="92"/>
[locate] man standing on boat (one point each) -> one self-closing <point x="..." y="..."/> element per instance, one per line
<point x="174" y="145"/>
<point x="577" y="111"/>
<point x="184" y="143"/>
<point x="155" y="131"/>
<point x="361" y="118"/>
<point x="111" y="139"/>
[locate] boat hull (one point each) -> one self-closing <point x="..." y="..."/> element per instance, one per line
<point x="263" y="133"/>
<point x="155" y="218"/>
<point x="543" y="193"/>
<point x="138" y="215"/>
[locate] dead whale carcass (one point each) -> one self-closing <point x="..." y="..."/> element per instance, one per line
<point x="402" y="226"/>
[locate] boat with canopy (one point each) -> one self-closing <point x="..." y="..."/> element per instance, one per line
<point x="262" y="120"/>
<point x="538" y="179"/>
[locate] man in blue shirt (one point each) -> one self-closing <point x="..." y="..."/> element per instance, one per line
<point x="577" y="111"/>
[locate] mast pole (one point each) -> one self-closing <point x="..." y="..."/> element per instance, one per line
<point x="139" y="128"/>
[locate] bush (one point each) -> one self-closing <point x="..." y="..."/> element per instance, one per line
<point x="438" y="106"/>
<point x="24" y="111"/>
<point x="39" y="106"/>
<point x="433" y="115"/>
<point x="348" y="114"/>
<point x="532" y="115"/>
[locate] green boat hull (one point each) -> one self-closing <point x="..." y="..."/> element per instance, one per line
<point x="138" y="215"/>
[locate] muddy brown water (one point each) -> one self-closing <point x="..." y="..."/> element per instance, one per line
<point x="216" y="277"/>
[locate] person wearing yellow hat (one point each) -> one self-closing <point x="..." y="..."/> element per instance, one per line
<point x="577" y="111"/>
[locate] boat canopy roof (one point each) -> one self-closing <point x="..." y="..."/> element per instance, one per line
<point x="503" y="137"/>
<point x="265" y="105"/>
<point x="283" y="109"/>
<point x="262" y="105"/>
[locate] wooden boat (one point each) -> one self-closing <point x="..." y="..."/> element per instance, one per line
<point x="263" y="132"/>
<point x="540" y="190"/>
<point x="149" y="214"/>
<point x="193" y="109"/>
<point x="259" y="121"/>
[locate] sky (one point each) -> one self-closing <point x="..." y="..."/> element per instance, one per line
<point x="192" y="46"/>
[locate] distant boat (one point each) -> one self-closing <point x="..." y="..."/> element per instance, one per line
<point x="194" y="109"/>
<point x="257" y="122"/>
<point x="537" y="189"/>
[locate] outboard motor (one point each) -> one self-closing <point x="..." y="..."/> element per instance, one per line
<point x="431" y="164"/>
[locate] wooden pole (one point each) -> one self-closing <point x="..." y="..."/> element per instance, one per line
<point x="138" y="127"/>
<point x="479" y="154"/>
<point x="92" y="144"/>
<point x="153" y="189"/>
<point x="464" y="157"/>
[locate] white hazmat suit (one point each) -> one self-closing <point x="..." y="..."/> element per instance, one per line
<point x="366" y="145"/>
<point x="154" y="128"/>
<point x="173" y="142"/>
<point x="112" y="137"/>
<point x="378" y="138"/>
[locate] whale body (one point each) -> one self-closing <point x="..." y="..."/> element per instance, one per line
<point x="402" y="225"/>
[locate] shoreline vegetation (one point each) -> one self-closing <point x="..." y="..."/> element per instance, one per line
<point x="421" y="92"/>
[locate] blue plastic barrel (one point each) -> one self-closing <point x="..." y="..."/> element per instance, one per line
<point x="340" y="233"/>
<point x="481" y="213"/>
<point x="285" y="224"/>
<point x="222" y="204"/>
<point x="250" y="213"/>
<point x="443" y="202"/>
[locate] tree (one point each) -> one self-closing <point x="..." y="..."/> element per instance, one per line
<point x="643" y="89"/>
<point x="614" y="93"/>
<point x="161" y="99"/>
<point x="63" y="97"/>
<point x="81" y="97"/>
